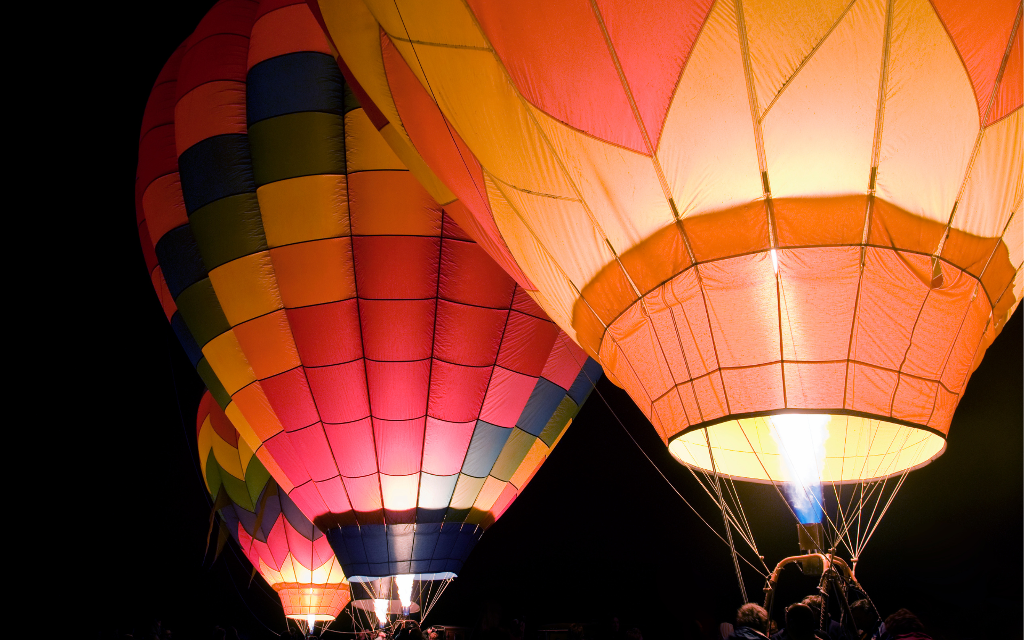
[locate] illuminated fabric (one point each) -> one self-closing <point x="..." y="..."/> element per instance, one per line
<point x="291" y="554"/>
<point x="384" y="369"/>
<point x="738" y="208"/>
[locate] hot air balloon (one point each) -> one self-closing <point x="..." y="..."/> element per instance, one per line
<point x="788" y="230"/>
<point x="291" y="554"/>
<point x="398" y="385"/>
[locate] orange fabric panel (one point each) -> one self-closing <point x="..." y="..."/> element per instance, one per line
<point x="267" y="344"/>
<point x="671" y="414"/>
<point x="286" y="30"/>
<point x="971" y="253"/>
<point x="957" y="366"/>
<point x="815" y="385"/>
<point x="388" y="203"/>
<point x="747" y="232"/>
<point x="609" y="293"/>
<point x="945" y="405"/>
<point x="253" y="404"/>
<point x="999" y="273"/>
<point x="943" y="312"/>
<point x="754" y="389"/>
<point x="894" y="227"/>
<point x="314" y="272"/>
<point x="980" y="31"/>
<point x="709" y="392"/>
<point x="589" y="328"/>
<point x="1010" y="92"/>
<point x="817" y="311"/>
<point x="819" y="221"/>
<point x="913" y="399"/>
<point x="656" y="259"/>
<point x="211" y="109"/>
<point x="869" y="389"/>
<point x="164" y="206"/>
<point x="743" y="306"/>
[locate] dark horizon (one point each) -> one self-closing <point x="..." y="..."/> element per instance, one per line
<point x="597" y="533"/>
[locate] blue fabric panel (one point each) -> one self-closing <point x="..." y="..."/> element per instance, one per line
<point x="375" y="542"/>
<point x="294" y="82"/>
<point x="421" y="548"/>
<point x="540" y="407"/>
<point x="585" y="381"/>
<point x="298" y="521"/>
<point x="179" y="258"/>
<point x="426" y="542"/>
<point x="430" y="515"/>
<point x="188" y="343"/>
<point x="484" y="448"/>
<point x="215" y="168"/>
<point x="353" y="542"/>
<point x="400" y="542"/>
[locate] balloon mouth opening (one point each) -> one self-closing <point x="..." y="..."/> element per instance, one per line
<point x="317" y="617"/>
<point x="381" y="605"/>
<point x="802" y="449"/>
<point x="440" y="575"/>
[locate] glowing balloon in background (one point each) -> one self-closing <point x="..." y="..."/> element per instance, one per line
<point x="398" y="385"/>
<point x="291" y="554"/>
<point x="741" y="210"/>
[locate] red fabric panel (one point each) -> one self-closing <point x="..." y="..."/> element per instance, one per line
<point x="958" y="364"/>
<point x="308" y="499"/>
<point x="869" y="389"/>
<point x="392" y="267"/>
<point x="468" y="335"/>
<point x="332" y="491"/>
<point x="160" y="107"/>
<point x="815" y="385"/>
<point x="397" y="329"/>
<point x="277" y="544"/>
<point x="754" y="389"/>
<point x="445" y="445"/>
<point x="980" y="31"/>
<point x="281" y="449"/>
<point x="457" y="392"/>
<point x="470" y="276"/>
<point x="564" y="362"/>
<point x="164" y="205"/>
<point x="291" y="399"/>
<point x="311" y="444"/>
<point x="327" y="333"/>
<point x="507" y="394"/>
<point x="743" y="301"/>
<point x="353" y="447"/>
<point x="526" y="344"/>
<point x="285" y="29"/>
<point x="523" y="303"/>
<point x="817" y="313"/>
<point x="890" y="297"/>
<point x="157" y="157"/>
<point x="447" y="155"/>
<point x="340" y="391"/>
<point x="399" y="445"/>
<point x="220" y="423"/>
<point x="163" y="293"/>
<point x="557" y="58"/>
<point x="227" y="16"/>
<point x="505" y="499"/>
<point x="944" y="311"/>
<point x="450" y="229"/>
<point x="219" y="57"/>
<point x="653" y="41"/>
<point x="1011" y="87"/>
<point x="398" y="390"/>
<point x="914" y="400"/>
<point x="148" y="249"/>
<point x="211" y="109"/>
<point x="364" y="492"/>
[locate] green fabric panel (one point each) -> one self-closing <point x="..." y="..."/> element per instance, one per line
<point x="201" y="312"/>
<point x="298" y="144"/>
<point x="511" y="456"/>
<point x="567" y="409"/>
<point x="217" y="390"/>
<point x="351" y="103"/>
<point x="238" y="491"/>
<point x="256" y="478"/>
<point x="456" y="515"/>
<point x="213" y="474"/>
<point x="228" y="228"/>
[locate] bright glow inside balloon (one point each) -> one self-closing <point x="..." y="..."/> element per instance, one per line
<point x="404" y="584"/>
<point x="380" y="607"/>
<point x="801" y="441"/>
<point x="310" y="620"/>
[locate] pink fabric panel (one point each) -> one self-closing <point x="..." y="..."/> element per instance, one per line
<point x="327" y="333"/>
<point x="399" y="445"/>
<point x="353" y="447"/>
<point x="445" y="446"/>
<point x="526" y="344"/>
<point x="291" y="399"/>
<point x="398" y="390"/>
<point x="457" y="392"/>
<point x="506" y="397"/>
<point x="340" y="391"/>
<point x="311" y="445"/>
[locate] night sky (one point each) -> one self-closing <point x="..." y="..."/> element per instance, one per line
<point x="597" y="533"/>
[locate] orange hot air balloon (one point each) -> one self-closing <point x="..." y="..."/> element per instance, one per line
<point x="788" y="230"/>
<point x="291" y="554"/>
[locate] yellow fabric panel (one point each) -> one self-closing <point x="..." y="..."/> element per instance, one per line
<point x="563" y="228"/>
<point x="245" y="453"/>
<point x="534" y="457"/>
<point x="781" y="34"/>
<point x="336" y="575"/>
<point x="707" y="145"/>
<point x="818" y="136"/>
<point x="205" y="444"/>
<point x="466" y="490"/>
<point x="322" y="200"/>
<point x="558" y="295"/>
<point x="399" y="492"/>
<point x="228" y="362"/>
<point x="365" y="150"/>
<point x="560" y="435"/>
<point x="995" y="186"/>
<point x="246" y="288"/>
<point x="412" y="159"/>
<point x="931" y="118"/>
<point x="856" y="449"/>
<point x="442" y="21"/>
<point x="489" y="493"/>
<point x="620" y="186"/>
<point x="244" y="429"/>
<point x="356" y="34"/>
<point x="227" y="457"/>
<point x="271" y="576"/>
<point x="478" y="99"/>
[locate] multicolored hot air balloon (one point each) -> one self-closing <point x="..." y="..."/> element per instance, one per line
<point x="398" y="385"/>
<point x="788" y="230"/>
<point x="291" y="554"/>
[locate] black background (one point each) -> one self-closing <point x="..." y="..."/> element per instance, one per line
<point x="598" y="533"/>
